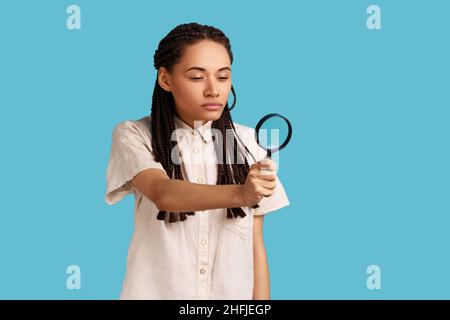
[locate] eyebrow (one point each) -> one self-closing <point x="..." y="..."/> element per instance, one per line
<point x="203" y="69"/>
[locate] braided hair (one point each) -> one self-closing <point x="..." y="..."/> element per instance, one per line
<point x="169" y="52"/>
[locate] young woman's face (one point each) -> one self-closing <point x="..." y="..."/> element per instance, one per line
<point x="203" y="75"/>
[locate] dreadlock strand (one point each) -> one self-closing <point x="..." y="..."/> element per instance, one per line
<point x="169" y="52"/>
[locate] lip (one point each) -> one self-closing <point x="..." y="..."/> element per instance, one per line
<point x="212" y="106"/>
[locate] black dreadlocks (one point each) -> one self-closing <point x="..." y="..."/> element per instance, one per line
<point x="169" y="52"/>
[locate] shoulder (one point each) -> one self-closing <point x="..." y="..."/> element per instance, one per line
<point x="132" y="129"/>
<point x="244" y="130"/>
<point x="141" y="125"/>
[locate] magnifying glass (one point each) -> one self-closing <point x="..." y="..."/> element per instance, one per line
<point x="269" y="131"/>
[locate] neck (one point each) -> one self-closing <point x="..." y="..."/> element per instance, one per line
<point x="191" y="123"/>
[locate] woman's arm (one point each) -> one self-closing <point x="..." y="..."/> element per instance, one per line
<point x="177" y="195"/>
<point x="181" y="196"/>
<point x="261" y="288"/>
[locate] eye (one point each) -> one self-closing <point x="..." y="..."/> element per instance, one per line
<point x="200" y="78"/>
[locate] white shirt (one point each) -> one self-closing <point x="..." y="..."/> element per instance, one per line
<point x="207" y="256"/>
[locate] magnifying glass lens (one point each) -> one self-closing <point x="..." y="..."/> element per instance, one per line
<point x="272" y="133"/>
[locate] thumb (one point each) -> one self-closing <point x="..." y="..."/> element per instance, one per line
<point x="267" y="164"/>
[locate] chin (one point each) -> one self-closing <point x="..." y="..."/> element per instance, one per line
<point x="212" y="115"/>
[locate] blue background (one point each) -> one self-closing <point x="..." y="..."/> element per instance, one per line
<point x="367" y="170"/>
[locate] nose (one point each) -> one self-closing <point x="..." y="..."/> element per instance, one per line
<point x="211" y="93"/>
<point x="211" y="90"/>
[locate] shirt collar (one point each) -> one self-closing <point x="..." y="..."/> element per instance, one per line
<point x="204" y="130"/>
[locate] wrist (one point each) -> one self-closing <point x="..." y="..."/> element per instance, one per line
<point x="238" y="196"/>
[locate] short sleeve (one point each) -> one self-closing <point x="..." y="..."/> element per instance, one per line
<point x="279" y="198"/>
<point x="275" y="202"/>
<point x="131" y="153"/>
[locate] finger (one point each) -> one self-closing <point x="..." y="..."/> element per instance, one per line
<point x="262" y="170"/>
<point x="265" y="192"/>
<point x="267" y="177"/>
<point x="254" y="171"/>
<point x="261" y="164"/>
<point x="268" y="164"/>
<point x="269" y="185"/>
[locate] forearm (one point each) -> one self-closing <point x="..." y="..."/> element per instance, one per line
<point x="261" y="288"/>
<point x="182" y="196"/>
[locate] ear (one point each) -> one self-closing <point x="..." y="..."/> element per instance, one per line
<point x="163" y="79"/>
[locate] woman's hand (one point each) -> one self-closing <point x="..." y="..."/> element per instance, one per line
<point x="259" y="185"/>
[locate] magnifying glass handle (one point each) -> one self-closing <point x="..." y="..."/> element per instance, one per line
<point x="267" y="159"/>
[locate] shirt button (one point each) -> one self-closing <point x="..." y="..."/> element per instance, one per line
<point x="203" y="242"/>
<point x="199" y="179"/>
<point x="194" y="132"/>
<point x="202" y="271"/>
<point x="195" y="150"/>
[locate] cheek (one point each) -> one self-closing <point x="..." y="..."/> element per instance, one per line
<point x="225" y="87"/>
<point x="187" y="94"/>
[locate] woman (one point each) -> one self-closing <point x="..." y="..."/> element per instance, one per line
<point x="197" y="234"/>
